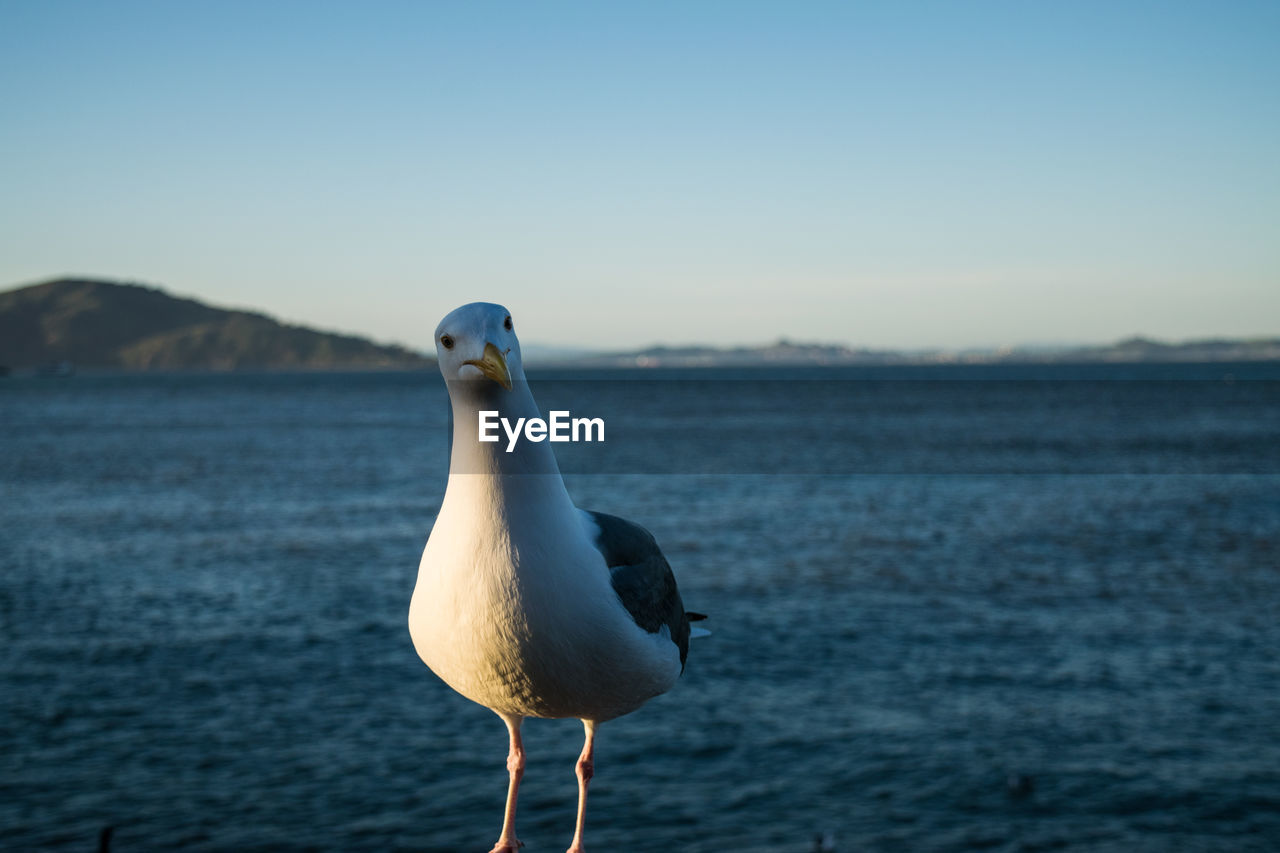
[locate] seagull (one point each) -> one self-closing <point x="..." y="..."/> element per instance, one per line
<point x="524" y="603"/>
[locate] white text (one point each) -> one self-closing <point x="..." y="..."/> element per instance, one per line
<point x="560" y="427"/>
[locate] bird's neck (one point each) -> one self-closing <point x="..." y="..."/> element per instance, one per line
<point x="470" y="455"/>
<point x="487" y="471"/>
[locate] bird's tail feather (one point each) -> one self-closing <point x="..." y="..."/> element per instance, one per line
<point x="696" y="617"/>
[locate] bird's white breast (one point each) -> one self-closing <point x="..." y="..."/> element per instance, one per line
<point x="513" y="608"/>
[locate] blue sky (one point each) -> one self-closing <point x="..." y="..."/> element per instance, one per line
<point x="884" y="174"/>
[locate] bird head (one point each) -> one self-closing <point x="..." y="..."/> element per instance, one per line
<point x="477" y="343"/>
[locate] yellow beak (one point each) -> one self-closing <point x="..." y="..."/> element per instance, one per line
<point x="493" y="364"/>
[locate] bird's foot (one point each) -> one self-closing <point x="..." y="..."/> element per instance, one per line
<point x="507" y="845"/>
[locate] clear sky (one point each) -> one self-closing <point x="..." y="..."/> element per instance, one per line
<point x="885" y="174"/>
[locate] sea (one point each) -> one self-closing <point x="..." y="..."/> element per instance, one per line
<point x="1009" y="608"/>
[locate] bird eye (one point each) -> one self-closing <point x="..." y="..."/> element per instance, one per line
<point x="447" y="341"/>
<point x="506" y="324"/>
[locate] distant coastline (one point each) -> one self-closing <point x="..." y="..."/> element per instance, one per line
<point x="1136" y="350"/>
<point x="57" y="327"/>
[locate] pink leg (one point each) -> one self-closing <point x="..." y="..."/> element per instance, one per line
<point x="508" y="843"/>
<point x="585" y="769"/>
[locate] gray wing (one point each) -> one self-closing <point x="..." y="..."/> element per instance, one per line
<point x="642" y="578"/>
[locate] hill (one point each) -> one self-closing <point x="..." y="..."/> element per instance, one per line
<point x="93" y="323"/>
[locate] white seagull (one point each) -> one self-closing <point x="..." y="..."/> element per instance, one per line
<point x="524" y="603"/>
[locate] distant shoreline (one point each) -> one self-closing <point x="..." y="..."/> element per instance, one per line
<point x="1064" y="371"/>
<point x="71" y="325"/>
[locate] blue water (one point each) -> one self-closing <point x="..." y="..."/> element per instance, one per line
<point x="1015" y="611"/>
